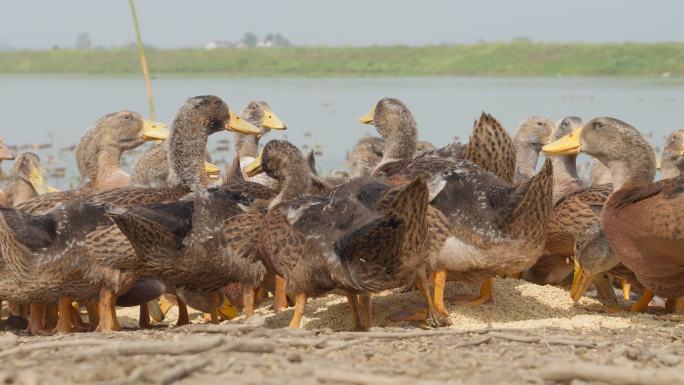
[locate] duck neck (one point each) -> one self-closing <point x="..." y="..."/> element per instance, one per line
<point x="247" y="145"/>
<point x="295" y="183"/>
<point x="670" y="168"/>
<point x="108" y="164"/>
<point x="565" y="169"/>
<point x="402" y="143"/>
<point x="186" y="156"/>
<point x="526" y="159"/>
<point x="632" y="171"/>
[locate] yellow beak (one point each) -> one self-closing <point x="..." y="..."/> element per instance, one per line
<point x="237" y="124"/>
<point x="580" y="283"/>
<point x="154" y="130"/>
<point x="272" y="121"/>
<point x="38" y="182"/>
<point x="226" y="310"/>
<point x="567" y="145"/>
<point x="254" y="168"/>
<point x="212" y="170"/>
<point x="368" y="118"/>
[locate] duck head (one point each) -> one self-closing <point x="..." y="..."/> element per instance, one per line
<point x="614" y="143"/>
<point x="672" y="163"/>
<point x="593" y="257"/>
<point x="27" y="167"/>
<point x="282" y="161"/>
<point x="395" y="123"/>
<point x="259" y="114"/>
<point x="532" y="134"/>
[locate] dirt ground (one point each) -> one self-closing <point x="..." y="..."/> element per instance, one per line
<point x="530" y="335"/>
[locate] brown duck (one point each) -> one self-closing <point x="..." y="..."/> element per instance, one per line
<point x="26" y="181"/>
<point x="643" y="221"/>
<point x="481" y="225"/>
<point x="364" y="237"/>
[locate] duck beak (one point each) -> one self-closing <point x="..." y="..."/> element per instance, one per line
<point x="567" y="145"/>
<point x="254" y="168"/>
<point x="580" y="283"/>
<point x="272" y="121"/>
<point x="154" y="130"/>
<point x="239" y="125"/>
<point x="226" y="310"/>
<point x="38" y="182"/>
<point x="212" y="170"/>
<point x="5" y="153"/>
<point x="368" y="117"/>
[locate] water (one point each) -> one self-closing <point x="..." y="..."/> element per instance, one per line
<point x="324" y="112"/>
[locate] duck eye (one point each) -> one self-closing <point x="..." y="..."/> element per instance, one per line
<point x="127" y="116"/>
<point x="599" y="125"/>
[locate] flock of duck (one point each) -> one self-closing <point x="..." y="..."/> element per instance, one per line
<point x="407" y="216"/>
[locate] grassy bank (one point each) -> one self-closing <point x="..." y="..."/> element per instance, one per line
<point x="489" y="59"/>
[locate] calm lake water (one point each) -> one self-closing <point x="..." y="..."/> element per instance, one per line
<point x="324" y="112"/>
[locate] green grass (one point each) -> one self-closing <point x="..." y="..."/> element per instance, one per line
<point x="487" y="59"/>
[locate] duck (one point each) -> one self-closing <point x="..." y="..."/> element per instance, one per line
<point x="98" y="158"/>
<point x="187" y="243"/>
<point x="532" y="133"/>
<point x="481" y="224"/>
<point x="112" y="267"/>
<point x="672" y="158"/>
<point x="368" y="152"/>
<point x="363" y="237"/>
<point x="26" y="181"/>
<point x="576" y="206"/>
<point x="642" y="219"/>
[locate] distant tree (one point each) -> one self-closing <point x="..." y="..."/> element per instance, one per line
<point x="277" y="40"/>
<point x="83" y="41"/>
<point x="250" y="39"/>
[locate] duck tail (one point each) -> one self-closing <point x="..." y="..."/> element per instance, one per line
<point x="491" y="147"/>
<point x="311" y="160"/>
<point x="375" y="253"/>
<point x="234" y="172"/>
<point x="531" y="204"/>
<point x="154" y="230"/>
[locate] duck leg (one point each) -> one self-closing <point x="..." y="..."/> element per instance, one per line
<point x="643" y="302"/>
<point x="626" y="288"/>
<point x="486" y="294"/>
<point x="353" y="300"/>
<point x="51" y="316"/>
<point x="438" y="295"/>
<point x="248" y="300"/>
<point x="213" y="308"/>
<point x="280" y="295"/>
<point x="433" y="317"/>
<point x="183" y="316"/>
<point x="107" y="309"/>
<point x="36" y="319"/>
<point x="144" y="317"/>
<point x="93" y="315"/>
<point x="64" y="319"/>
<point x="367" y="305"/>
<point x="300" y="303"/>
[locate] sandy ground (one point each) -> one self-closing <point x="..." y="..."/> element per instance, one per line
<point x="530" y="335"/>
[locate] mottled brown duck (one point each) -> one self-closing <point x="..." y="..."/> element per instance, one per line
<point x="643" y="220"/>
<point x="363" y="237"/>
<point x="481" y="225"/>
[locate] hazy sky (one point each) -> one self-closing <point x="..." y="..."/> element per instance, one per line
<point x="174" y="23"/>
